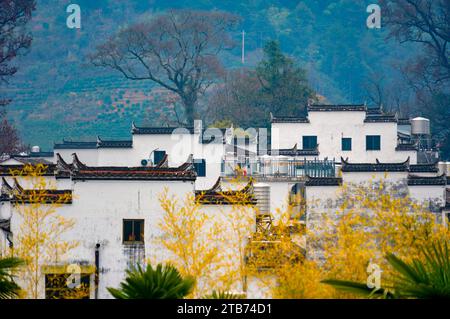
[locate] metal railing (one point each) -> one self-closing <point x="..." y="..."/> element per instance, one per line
<point x="278" y="168"/>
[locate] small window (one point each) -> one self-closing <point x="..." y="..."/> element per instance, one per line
<point x="133" y="231"/>
<point x="158" y="157"/>
<point x="200" y="167"/>
<point x="309" y="142"/>
<point x="373" y="142"/>
<point x="346" y="144"/>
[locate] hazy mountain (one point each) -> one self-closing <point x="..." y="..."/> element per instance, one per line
<point x="57" y="93"/>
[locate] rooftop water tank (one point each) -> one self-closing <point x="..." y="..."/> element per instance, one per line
<point x="35" y="149"/>
<point x="420" y="126"/>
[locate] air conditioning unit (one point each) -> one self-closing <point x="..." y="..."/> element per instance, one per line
<point x="144" y="162"/>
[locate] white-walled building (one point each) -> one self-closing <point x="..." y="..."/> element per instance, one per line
<point x="114" y="185"/>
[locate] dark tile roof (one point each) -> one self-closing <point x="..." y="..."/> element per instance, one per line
<point x="323" y="181"/>
<point x="34" y="155"/>
<point x="28" y="160"/>
<point x="13" y="170"/>
<point x="374" y="111"/>
<point x="80" y="171"/>
<point x="374" y="167"/>
<point x="18" y="195"/>
<point x="293" y="152"/>
<point x="406" y="147"/>
<point x="160" y="130"/>
<point x="426" y="180"/>
<point x="216" y="196"/>
<point x="336" y="107"/>
<point x="73" y="145"/>
<point x="380" y="118"/>
<point x="290" y="119"/>
<point x="113" y="144"/>
<point x="46" y="196"/>
<point x="423" y="168"/>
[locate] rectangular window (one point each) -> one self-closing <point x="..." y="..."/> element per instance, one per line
<point x="133" y="231"/>
<point x="158" y="157"/>
<point x="309" y="142"/>
<point x="200" y="167"/>
<point x="373" y="142"/>
<point x="346" y="144"/>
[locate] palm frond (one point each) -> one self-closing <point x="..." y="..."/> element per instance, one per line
<point x="222" y="295"/>
<point x="8" y="288"/>
<point x="358" y="288"/>
<point x="162" y="282"/>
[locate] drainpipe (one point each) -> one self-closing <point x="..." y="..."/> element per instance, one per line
<point x="97" y="268"/>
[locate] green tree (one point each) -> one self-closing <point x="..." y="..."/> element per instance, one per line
<point x="162" y="282"/>
<point x="8" y="287"/>
<point x="284" y="86"/>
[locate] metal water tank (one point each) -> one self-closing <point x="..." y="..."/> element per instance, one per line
<point x="420" y="126"/>
<point x="35" y="149"/>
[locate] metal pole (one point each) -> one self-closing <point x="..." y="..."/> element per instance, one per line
<point x="243" y="47"/>
<point x="97" y="268"/>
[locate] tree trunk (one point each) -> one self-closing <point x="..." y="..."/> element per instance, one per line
<point x="189" y="102"/>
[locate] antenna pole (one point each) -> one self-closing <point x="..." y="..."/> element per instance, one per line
<point x="243" y="47"/>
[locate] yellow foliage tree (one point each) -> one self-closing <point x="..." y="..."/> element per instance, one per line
<point x="192" y="237"/>
<point x="368" y="222"/>
<point x="39" y="240"/>
<point x="238" y="217"/>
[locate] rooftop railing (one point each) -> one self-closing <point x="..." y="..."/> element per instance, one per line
<point x="288" y="168"/>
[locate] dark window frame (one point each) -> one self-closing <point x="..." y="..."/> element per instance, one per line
<point x="344" y="146"/>
<point x="306" y="146"/>
<point x="200" y="167"/>
<point x="133" y="231"/>
<point x="159" y="158"/>
<point x="373" y="142"/>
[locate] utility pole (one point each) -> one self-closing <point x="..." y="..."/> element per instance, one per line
<point x="243" y="47"/>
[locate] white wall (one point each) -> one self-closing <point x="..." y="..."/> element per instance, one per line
<point x="87" y="156"/>
<point x="98" y="210"/>
<point x="330" y="127"/>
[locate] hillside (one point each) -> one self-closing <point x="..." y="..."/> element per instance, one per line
<point x="57" y="93"/>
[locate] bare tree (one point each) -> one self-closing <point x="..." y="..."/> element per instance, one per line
<point x="178" y="51"/>
<point x="426" y="22"/>
<point x="14" y="15"/>
<point x="238" y="95"/>
<point x="10" y="142"/>
<point x="14" y="40"/>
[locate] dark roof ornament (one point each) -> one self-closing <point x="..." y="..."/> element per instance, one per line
<point x="17" y="188"/>
<point x="6" y="188"/>
<point x="164" y="162"/>
<point x="76" y="163"/>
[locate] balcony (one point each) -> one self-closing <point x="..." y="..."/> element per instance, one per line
<point x="277" y="168"/>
